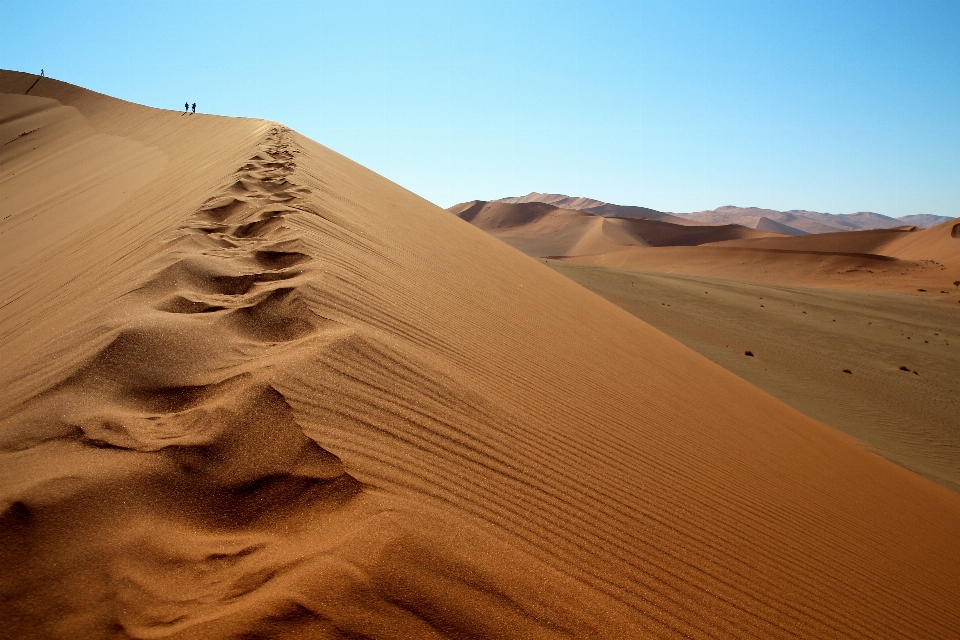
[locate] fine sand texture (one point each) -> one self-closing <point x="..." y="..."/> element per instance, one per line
<point x="880" y="366"/>
<point x="251" y="389"/>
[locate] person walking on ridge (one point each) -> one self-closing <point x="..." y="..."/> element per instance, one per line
<point x="194" y="107"/>
<point x="41" y="73"/>
<point x="186" y="107"/>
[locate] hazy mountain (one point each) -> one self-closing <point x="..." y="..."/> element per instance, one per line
<point x="923" y="220"/>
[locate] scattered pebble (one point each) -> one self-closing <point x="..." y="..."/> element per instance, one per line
<point x="748" y="353"/>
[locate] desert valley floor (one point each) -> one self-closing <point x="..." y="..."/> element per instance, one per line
<point x="881" y="366"/>
<point x="251" y="389"/>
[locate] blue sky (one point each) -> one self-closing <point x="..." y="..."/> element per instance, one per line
<point x="679" y="106"/>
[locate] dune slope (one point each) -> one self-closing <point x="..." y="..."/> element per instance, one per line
<point x="287" y="398"/>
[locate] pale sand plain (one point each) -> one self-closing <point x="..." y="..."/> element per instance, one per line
<point x="252" y="389"/>
<point x="837" y="355"/>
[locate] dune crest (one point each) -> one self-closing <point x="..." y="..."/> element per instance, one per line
<point x="289" y="398"/>
<point x="198" y="378"/>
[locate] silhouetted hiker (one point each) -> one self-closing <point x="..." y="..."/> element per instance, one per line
<point x="41" y="73"/>
<point x="194" y="107"/>
<point x="186" y="107"/>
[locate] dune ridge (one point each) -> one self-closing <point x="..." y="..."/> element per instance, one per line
<point x="543" y="230"/>
<point x="795" y="222"/>
<point x="197" y="378"/>
<point x="306" y="402"/>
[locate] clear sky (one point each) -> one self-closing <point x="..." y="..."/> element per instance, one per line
<point x="834" y="106"/>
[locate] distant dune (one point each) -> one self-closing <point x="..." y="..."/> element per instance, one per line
<point x="900" y="258"/>
<point x="543" y="230"/>
<point x="596" y="207"/>
<point x="251" y="389"/>
<point x="873" y="241"/>
<point x="811" y="221"/>
<point x="556" y="199"/>
<point x="794" y="222"/>
<point x="895" y="259"/>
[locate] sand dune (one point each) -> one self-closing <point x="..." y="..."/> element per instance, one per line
<point x="597" y="208"/>
<point x="870" y="242"/>
<point x="940" y="243"/>
<point x="796" y="222"/>
<point x="902" y="258"/>
<point x="556" y="199"/>
<point x="543" y="230"/>
<point x="887" y="259"/>
<point x="252" y="389"/>
<point x="809" y="221"/>
<point x="766" y="224"/>
<point x="800" y="222"/>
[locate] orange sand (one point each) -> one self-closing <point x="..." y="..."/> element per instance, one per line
<point x="252" y="389"/>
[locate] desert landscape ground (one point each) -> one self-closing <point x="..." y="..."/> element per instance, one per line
<point x="251" y="389"/>
<point x="879" y="365"/>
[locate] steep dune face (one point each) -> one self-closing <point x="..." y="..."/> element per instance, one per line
<point x="307" y="403"/>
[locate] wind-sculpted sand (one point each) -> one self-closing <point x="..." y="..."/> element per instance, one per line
<point x="263" y="392"/>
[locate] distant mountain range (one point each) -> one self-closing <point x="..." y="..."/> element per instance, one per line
<point x="794" y="222"/>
